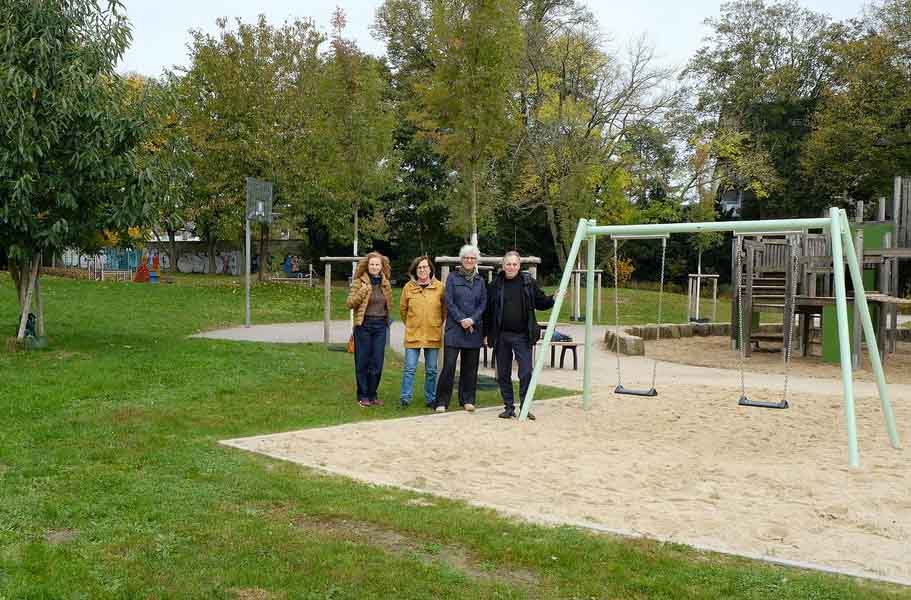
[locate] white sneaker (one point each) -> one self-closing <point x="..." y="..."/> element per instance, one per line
<point x="441" y="408"/>
<point x="469" y="407"/>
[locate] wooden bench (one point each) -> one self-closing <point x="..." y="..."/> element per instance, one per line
<point x="564" y="346"/>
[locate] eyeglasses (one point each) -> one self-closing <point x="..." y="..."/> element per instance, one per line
<point x="475" y="258"/>
<point x="425" y="267"/>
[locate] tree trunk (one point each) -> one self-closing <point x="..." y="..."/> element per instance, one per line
<point x="555" y="235"/>
<point x="173" y="253"/>
<point x="474" y="207"/>
<point x="212" y="241"/>
<point x="263" y="251"/>
<point x="27" y="301"/>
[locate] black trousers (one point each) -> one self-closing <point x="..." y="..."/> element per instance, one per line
<point x="509" y="345"/>
<point x="468" y="375"/>
<point x="369" y="352"/>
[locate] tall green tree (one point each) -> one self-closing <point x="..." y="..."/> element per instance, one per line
<point x="68" y="133"/>
<point x="466" y="101"/>
<point x="248" y="111"/>
<point x="760" y="77"/>
<point x="356" y="138"/>
<point x="861" y="135"/>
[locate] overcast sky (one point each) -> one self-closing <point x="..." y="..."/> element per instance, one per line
<point x="160" y="26"/>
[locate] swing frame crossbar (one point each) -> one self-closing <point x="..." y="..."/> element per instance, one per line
<point x="842" y="252"/>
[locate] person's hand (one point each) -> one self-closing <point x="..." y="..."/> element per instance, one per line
<point x="485" y="341"/>
<point x="466" y="323"/>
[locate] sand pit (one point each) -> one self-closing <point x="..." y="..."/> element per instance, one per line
<point x="716" y="352"/>
<point x="688" y="466"/>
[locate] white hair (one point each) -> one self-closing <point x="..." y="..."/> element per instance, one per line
<point x="469" y="249"/>
<point x="512" y="253"/>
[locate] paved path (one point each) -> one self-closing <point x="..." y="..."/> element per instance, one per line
<point x="604" y="367"/>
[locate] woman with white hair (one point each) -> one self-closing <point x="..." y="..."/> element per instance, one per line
<point x="466" y="299"/>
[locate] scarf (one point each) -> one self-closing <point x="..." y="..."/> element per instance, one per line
<point x="376" y="280"/>
<point x="468" y="275"/>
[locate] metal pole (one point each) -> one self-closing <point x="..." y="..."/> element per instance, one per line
<point x="247" y="271"/>
<point x="860" y="300"/>
<point x="844" y="336"/>
<point x="736" y="226"/>
<point x="698" y="284"/>
<point x="589" y="317"/>
<point x="327" y="299"/>
<point x="581" y="231"/>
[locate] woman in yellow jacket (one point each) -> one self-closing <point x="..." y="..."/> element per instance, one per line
<point x="423" y="310"/>
<point x="370" y="298"/>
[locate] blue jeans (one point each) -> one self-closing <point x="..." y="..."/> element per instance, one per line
<point x="430" y="374"/>
<point x="369" y="348"/>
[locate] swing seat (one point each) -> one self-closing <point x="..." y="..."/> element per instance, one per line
<point x="745" y="401"/>
<point x="622" y="390"/>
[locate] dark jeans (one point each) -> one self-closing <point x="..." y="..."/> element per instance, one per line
<point x="509" y="345"/>
<point x="369" y="349"/>
<point x="468" y="375"/>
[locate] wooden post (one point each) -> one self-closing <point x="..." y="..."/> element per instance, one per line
<point x="747" y="316"/>
<point x="881" y="209"/>
<point x="598" y="277"/>
<point x="533" y="271"/>
<point x="327" y="301"/>
<point x="444" y="274"/>
<point x="856" y="326"/>
<point x="714" y="298"/>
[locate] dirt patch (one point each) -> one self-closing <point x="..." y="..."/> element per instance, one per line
<point x="254" y="594"/>
<point x="428" y="552"/>
<point x="716" y="352"/>
<point x="128" y="414"/>
<point x="60" y="536"/>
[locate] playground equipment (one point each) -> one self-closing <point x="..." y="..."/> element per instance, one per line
<point x="616" y="238"/>
<point x="836" y="224"/>
<point x="879" y="244"/>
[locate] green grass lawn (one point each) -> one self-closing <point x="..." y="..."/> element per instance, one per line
<point x="112" y="484"/>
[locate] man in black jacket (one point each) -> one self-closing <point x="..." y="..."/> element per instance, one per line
<point x="512" y="328"/>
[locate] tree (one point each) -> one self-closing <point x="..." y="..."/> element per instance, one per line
<point x="474" y="47"/>
<point x="247" y="97"/>
<point x="861" y="135"/>
<point x="356" y="137"/>
<point x="584" y="111"/>
<point x="68" y="143"/>
<point x="167" y="152"/>
<point x="760" y="78"/>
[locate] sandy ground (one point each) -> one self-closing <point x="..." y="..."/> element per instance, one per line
<point x="689" y="466"/>
<point x="716" y="351"/>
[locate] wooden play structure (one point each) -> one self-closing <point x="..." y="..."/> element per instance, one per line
<point x="791" y="274"/>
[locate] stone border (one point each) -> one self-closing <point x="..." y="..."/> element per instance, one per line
<point x="632" y="339"/>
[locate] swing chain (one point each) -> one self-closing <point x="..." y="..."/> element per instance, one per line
<point x="617" y="310"/>
<point x="739" y="292"/>
<point x="660" y="302"/>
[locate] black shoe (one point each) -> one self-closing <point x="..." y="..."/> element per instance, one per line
<point x="509" y="413"/>
<point x="531" y="416"/>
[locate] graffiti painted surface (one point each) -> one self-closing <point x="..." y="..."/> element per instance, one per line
<point x="226" y="263"/>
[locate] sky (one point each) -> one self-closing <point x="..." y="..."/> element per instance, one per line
<point x="674" y="27"/>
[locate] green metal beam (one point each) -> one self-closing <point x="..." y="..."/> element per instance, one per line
<point x="872" y="348"/>
<point x="581" y="231"/>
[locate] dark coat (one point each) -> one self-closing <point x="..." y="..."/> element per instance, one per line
<point x="464" y="299"/>
<point x="532" y="298"/>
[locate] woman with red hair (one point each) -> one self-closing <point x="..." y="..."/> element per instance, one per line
<point x="370" y="297"/>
